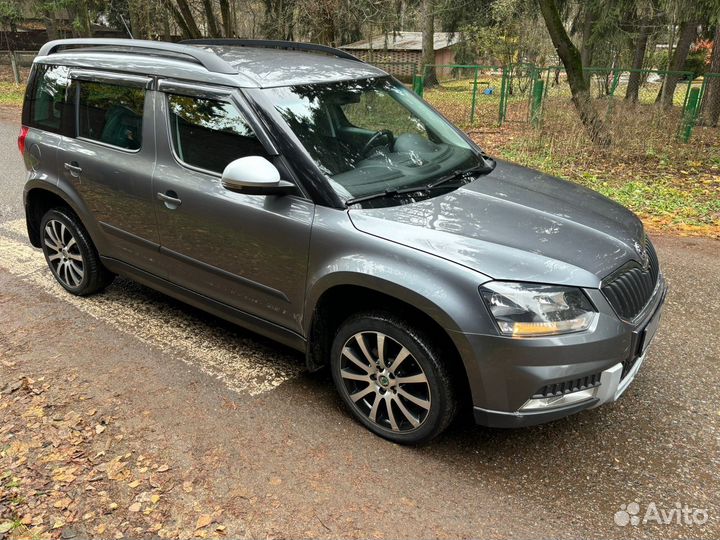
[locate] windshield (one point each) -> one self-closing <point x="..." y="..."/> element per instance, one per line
<point x="373" y="136"/>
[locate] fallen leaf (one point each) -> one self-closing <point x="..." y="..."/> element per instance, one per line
<point x="6" y="526"/>
<point x="134" y="484"/>
<point x="203" y="521"/>
<point x="62" y="503"/>
<point x="155" y="498"/>
<point x="135" y="507"/>
<point x="58" y="523"/>
<point x="99" y="429"/>
<point x="163" y="468"/>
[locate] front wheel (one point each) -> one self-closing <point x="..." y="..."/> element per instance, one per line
<point x="392" y="378"/>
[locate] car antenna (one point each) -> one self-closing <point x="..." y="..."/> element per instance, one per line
<point x="126" y="26"/>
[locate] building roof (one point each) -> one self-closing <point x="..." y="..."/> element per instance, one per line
<point x="403" y="41"/>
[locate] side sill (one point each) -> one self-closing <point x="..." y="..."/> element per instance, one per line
<point x="246" y="320"/>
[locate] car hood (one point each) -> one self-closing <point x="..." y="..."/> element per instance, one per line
<point x="516" y="224"/>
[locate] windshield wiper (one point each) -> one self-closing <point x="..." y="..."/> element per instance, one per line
<point x="465" y="174"/>
<point x="462" y="174"/>
<point x="387" y="193"/>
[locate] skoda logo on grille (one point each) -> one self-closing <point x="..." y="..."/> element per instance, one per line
<point x="642" y="252"/>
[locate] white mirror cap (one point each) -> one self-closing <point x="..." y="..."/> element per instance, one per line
<point x="251" y="171"/>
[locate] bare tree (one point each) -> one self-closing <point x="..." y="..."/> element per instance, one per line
<point x="579" y="87"/>
<point x="428" y="42"/>
<point x="212" y="25"/>
<point x="185" y="19"/>
<point x="633" y="86"/>
<point x="227" y="22"/>
<point x="688" y="33"/>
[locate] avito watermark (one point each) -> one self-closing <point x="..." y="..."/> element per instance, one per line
<point x="679" y="514"/>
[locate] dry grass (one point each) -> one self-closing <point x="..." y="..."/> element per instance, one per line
<point x="673" y="186"/>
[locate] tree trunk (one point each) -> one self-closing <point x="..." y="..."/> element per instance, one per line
<point x="227" y="23"/>
<point x="688" y="32"/>
<point x="586" y="46"/>
<point x="166" y="25"/>
<point x="50" y="24"/>
<point x="184" y="30"/>
<point x="633" y="87"/>
<point x="212" y="25"/>
<point x="571" y="59"/>
<point x="135" y="25"/>
<point x="186" y="21"/>
<point x="710" y="108"/>
<point x="428" y="43"/>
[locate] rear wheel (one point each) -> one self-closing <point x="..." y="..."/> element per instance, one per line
<point x="71" y="255"/>
<point x="392" y="378"/>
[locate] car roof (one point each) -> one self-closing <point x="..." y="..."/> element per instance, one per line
<point x="273" y="67"/>
<point x="254" y="64"/>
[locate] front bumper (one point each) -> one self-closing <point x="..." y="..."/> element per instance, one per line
<point x="526" y="382"/>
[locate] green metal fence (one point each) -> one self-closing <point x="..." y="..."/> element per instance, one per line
<point x="480" y="96"/>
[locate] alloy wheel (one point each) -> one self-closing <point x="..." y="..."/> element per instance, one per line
<point x="63" y="253"/>
<point x="385" y="382"/>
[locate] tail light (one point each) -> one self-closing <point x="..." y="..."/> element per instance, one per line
<point x="21" y="139"/>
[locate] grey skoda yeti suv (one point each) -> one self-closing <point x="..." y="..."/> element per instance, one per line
<point x="310" y="197"/>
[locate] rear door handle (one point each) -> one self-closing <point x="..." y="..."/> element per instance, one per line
<point x="73" y="168"/>
<point x="170" y="199"/>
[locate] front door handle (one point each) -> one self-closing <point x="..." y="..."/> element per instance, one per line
<point x="170" y="199"/>
<point x="73" y="168"/>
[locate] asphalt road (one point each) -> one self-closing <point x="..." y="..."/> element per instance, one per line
<point x="275" y="449"/>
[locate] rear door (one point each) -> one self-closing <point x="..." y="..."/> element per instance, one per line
<point x="110" y="158"/>
<point x="246" y="251"/>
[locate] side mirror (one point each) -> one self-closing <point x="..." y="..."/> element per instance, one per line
<point x="254" y="175"/>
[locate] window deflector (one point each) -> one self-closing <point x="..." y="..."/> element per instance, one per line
<point x="120" y="79"/>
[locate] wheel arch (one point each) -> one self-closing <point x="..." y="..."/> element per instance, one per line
<point x="336" y="302"/>
<point x="41" y="197"/>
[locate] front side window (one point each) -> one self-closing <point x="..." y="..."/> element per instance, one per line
<point x="373" y="136"/>
<point x="48" y="98"/>
<point x="209" y="133"/>
<point x="111" y="114"/>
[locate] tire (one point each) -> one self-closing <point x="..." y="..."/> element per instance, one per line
<point x="405" y="395"/>
<point x="70" y="253"/>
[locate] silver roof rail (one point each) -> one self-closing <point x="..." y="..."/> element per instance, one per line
<point x="207" y="59"/>
<point x="274" y="44"/>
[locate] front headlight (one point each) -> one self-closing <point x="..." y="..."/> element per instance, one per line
<point x="526" y="309"/>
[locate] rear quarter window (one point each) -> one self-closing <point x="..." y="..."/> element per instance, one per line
<point x="47" y="103"/>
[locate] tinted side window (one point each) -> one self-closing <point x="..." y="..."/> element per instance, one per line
<point x="46" y="100"/>
<point x="111" y="114"/>
<point x="209" y="134"/>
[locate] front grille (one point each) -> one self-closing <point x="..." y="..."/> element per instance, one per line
<point x="630" y="289"/>
<point x="567" y="387"/>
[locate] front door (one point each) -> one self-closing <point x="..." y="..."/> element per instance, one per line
<point x="109" y="160"/>
<point x="247" y="251"/>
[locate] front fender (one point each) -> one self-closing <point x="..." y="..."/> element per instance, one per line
<point x="342" y="255"/>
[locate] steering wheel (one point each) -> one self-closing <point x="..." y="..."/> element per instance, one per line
<point x="375" y="138"/>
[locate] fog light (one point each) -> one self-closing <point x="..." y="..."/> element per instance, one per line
<point x="559" y="401"/>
